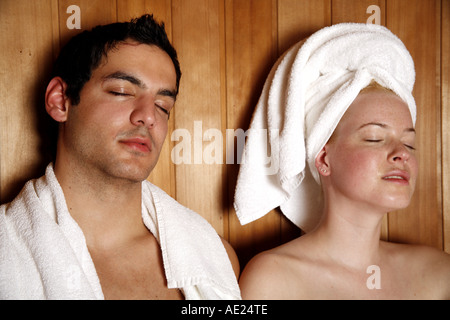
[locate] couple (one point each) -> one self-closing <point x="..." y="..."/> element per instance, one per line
<point x="93" y="228"/>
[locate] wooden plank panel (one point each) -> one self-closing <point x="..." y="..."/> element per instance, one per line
<point x="251" y="45"/>
<point x="161" y="10"/>
<point x="417" y="23"/>
<point x="127" y="10"/>
<point x="163" y="175"/>
<point x="357" y="11"/>
<point x="445" y="102"/>
<point x="298" y="19"/>
<point x="93" y="13"/>
<point x="196" y="34"/>
<point x="26" y="45"/>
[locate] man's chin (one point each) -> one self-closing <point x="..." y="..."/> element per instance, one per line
<point x="133" y="173"/>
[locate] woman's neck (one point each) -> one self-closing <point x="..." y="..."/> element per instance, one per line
<point x="350" y="235"/>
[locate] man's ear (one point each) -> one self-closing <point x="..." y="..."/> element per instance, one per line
<point x="56" y="101"/>
<point x="321" y="162"/>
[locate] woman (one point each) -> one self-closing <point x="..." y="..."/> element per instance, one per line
<point x="340" y="115"/>
<point x="367" y="168"/>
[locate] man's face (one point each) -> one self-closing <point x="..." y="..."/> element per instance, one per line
<point x="120" y="124"/>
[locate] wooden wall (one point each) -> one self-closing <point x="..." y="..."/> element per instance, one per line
<point x="226" y="49"/>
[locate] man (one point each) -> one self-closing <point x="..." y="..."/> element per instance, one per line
<point x="93" y="227"/>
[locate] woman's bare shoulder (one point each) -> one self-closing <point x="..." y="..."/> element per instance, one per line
<point x="270" y="274"/>
<point x="263" y="276"/>
<point x="435" y="265"/>
<point x="429" y="266"/>
<point x="419" y="255"/>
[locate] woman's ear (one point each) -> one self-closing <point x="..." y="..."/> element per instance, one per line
<point x="56" y="101"/>
<point x="321" y="162"/>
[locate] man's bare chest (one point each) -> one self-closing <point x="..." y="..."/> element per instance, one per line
<point x="135" y="271"/>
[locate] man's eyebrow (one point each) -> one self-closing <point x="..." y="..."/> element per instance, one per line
<point x="382" y="125"/>
<point x="168" y="93"/>
<point x="132" y="79"/>
<point x="125" y="76"/>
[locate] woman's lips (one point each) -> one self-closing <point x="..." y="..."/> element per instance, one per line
<point x="397" y="176"/>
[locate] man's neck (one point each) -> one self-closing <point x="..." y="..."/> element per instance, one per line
<point x="107" y="210"/>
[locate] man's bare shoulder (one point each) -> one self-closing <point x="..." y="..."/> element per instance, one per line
<point x="232" y="256"/>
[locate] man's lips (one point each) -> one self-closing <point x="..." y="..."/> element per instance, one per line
<point x="399" y="176"/>
<point x="138" y="144"/>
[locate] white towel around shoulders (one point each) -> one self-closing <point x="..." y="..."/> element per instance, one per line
<point x="304" y="97"/>
<point x="43" y="252"/>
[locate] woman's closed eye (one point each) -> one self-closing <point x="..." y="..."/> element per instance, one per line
<point x="410" y="147"/>
<point x="407" y="145"/>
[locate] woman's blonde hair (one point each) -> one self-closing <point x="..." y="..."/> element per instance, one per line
<point x="372" y="86"/>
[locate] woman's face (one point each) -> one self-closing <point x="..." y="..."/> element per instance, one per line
<point x="371" y="157"/>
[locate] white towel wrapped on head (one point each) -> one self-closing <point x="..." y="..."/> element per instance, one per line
<point x="305" y="95"/>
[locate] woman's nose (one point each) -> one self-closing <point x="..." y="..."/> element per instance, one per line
<point x="400" y="153"/>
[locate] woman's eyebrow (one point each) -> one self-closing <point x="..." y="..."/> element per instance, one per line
<point x="382" y="125"/>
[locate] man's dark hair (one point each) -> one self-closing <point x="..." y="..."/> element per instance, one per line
<point x="84" y="52"/>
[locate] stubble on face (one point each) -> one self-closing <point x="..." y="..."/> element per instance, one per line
<point x="95" y="127"/>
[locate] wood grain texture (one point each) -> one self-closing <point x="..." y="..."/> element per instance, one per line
<point x="26" y="45"/>
<point x="93" y="13"/>
<point x="445" y="104"/>
<point x="196" y="32"/>
<point x="298" y="19"/>
<point x="357" y="11"/>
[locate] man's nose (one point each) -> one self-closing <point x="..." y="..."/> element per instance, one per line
<point x="144" y="113"/>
